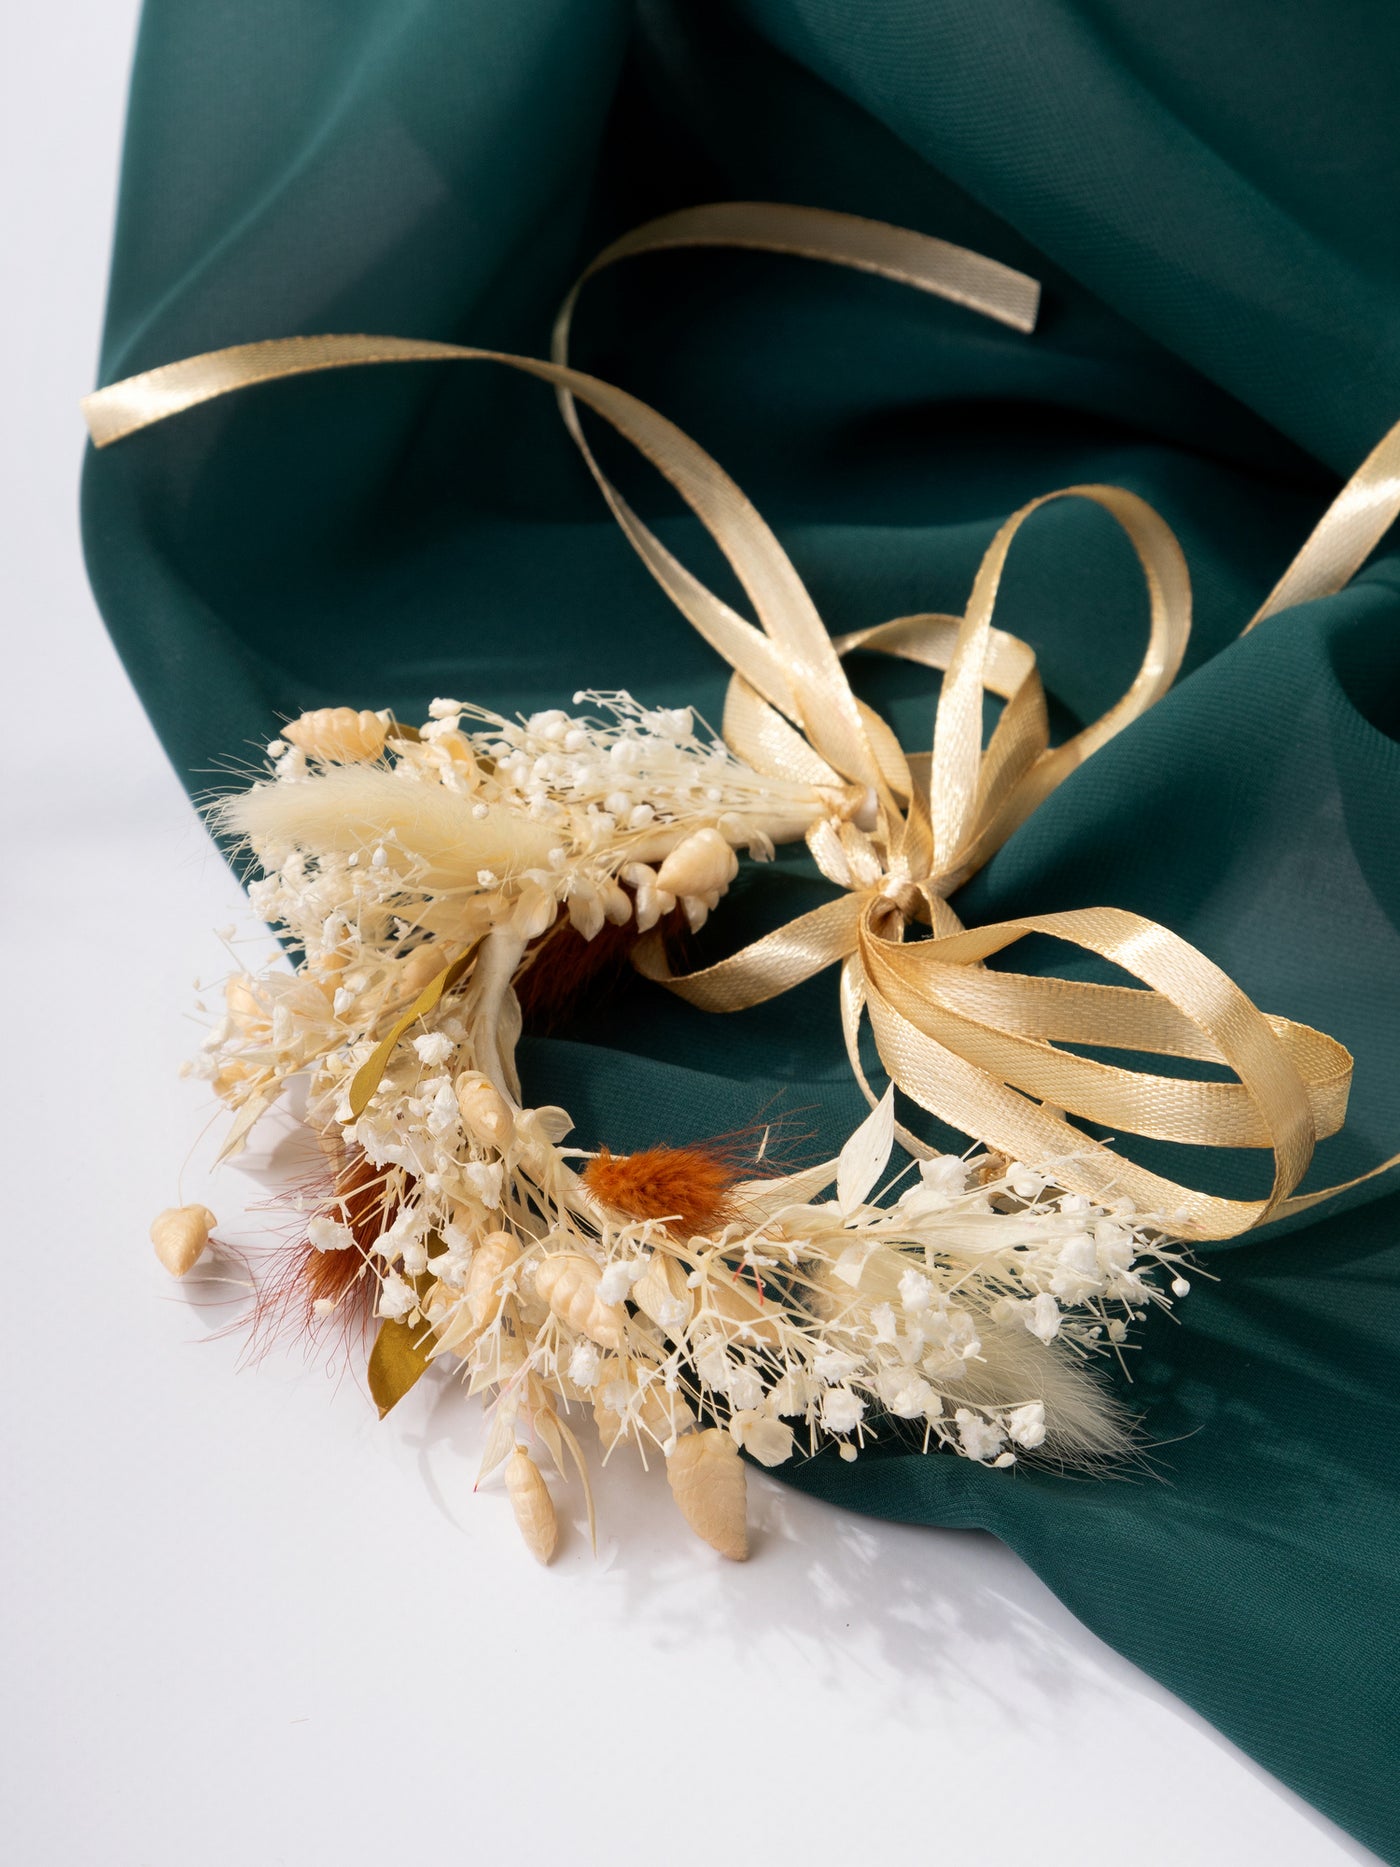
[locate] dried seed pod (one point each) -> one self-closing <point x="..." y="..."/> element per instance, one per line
<point x="709" y="1484"/>
<point x="491" y="1260"/>
<point x="569" y="1284"/>
<point x="180" y="1235"/>
<point x="486" y="1115"/>
<point x="626" y="1407"/>
<point x="337" y="735"/>
<point x="532" y="1504"/>
<point x="702" y="865"/>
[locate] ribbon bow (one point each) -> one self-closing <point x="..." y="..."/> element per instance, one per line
<point x="978" y="1048"/>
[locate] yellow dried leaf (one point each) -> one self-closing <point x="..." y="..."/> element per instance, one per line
<point x="397" y="1360"/>
<point x="367" y="1077"/>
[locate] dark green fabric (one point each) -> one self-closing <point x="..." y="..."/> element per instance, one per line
<point x="1208" y="192"/>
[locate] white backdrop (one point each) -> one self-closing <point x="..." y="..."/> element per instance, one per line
<point x="245" y="1623"/>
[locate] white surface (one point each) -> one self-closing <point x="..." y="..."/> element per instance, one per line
<point x="246" y="1624"/>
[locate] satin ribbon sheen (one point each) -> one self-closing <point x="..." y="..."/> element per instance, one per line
<point x="976" y="1047"/>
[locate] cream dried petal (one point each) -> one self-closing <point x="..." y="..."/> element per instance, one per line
<point x="764" y="1439"/>
<point x="625" y="1406"/>
<point x="752" y="1317"/>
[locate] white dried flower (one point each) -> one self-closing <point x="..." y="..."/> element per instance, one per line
<point x="908" y="1395"/>
<point x="1042" y="1317"/>
<point x="842" y="1410"/>
<point x="617" y="1280"/>
<point x="915" y="1292"/>
<point x="584" y="1364"/>
<point x="1024" y="1182"/>
<point x="945" y="1173"/>
<point x="977" y="1435"/>
<point x="397" y="1299"/>
<point x="745" y="1388"/>
<point x="1077" y="1274"/>
<point x="884" y="1323"/>
<point x="327" y="1234"/>
<point x="486" y="1179"/>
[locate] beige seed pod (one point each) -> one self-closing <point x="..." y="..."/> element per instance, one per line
<point x="709" y="1484"/>
<point x="180" y="1235"/>
<point x="658" y="1417"/>
<point x="569" y="1283"/>
<point x="491" y="1261"/>
<point x="486" y="1114"/>
<point x="702" y="865"/>
<point x="532" y="1504"/>
<point x="337" y="735"/>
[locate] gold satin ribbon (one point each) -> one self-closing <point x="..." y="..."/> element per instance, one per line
<point x="980" y="1049"/>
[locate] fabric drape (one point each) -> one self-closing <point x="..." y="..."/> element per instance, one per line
<point x="1207" y="196"/>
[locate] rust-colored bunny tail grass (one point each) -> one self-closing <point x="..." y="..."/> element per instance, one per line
<point x="692" y="1185"/>
<point x="689" y="1185"/>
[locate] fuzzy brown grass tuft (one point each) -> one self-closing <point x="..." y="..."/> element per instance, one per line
<point x="690" y="1185"/>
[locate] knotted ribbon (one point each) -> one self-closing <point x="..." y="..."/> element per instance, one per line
<point x="978" y="1048"/>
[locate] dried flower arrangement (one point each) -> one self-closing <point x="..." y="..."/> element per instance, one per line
<point x="691" y="1304"/>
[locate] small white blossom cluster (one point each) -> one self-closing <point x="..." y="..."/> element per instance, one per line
<point x="419" y="875"/>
